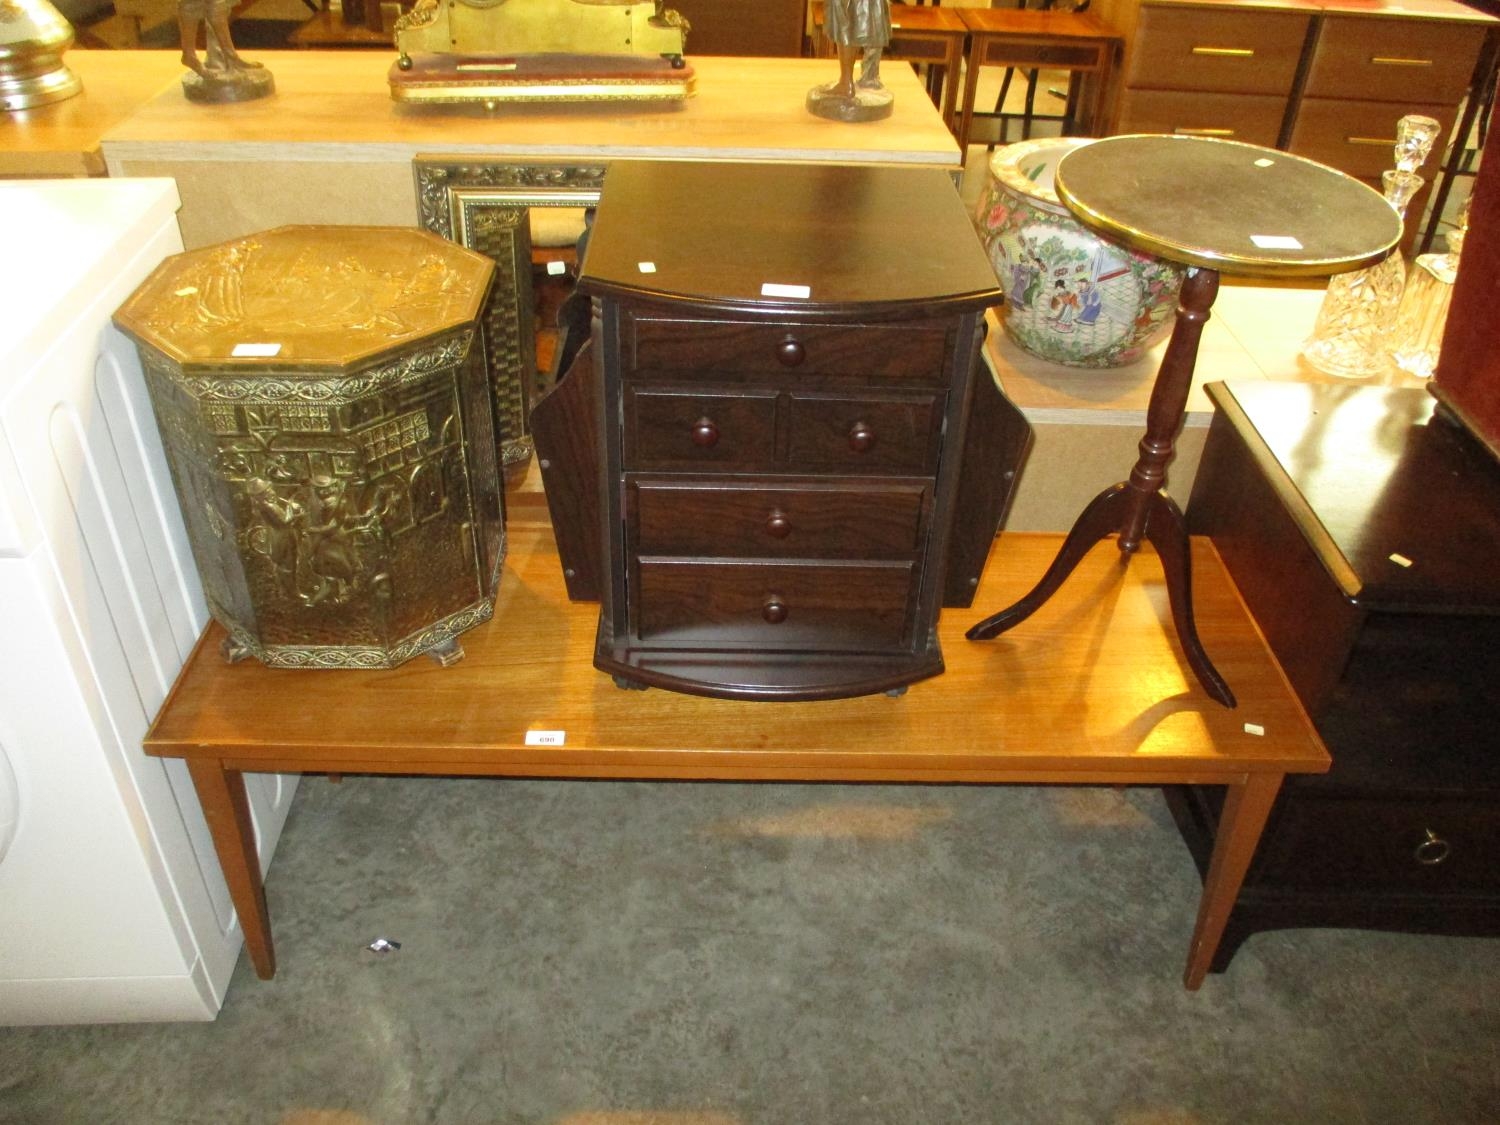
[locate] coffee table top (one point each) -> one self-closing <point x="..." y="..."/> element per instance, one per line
<point x="1238" y="208"/>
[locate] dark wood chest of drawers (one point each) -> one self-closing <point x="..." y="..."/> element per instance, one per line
<point x="786" y="358"/>
<point x="1364" y="535"/>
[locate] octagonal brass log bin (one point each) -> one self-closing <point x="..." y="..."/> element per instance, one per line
<point x="322" y="397"/>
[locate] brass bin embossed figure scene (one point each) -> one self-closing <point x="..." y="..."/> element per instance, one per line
<point x="323" y="402"/>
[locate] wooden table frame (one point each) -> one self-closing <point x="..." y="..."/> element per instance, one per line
<point x="1094" y="691"/>
<point x="1077" y="42"/>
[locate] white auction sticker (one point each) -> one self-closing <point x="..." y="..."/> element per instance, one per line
<point x="1275" y="242"/>
<point x="555" y="268"/>
<point x="646" y="267"/>
<point x="546" y="737"/>
<point x="775" y="289"/>
<point x="255" y="351"/>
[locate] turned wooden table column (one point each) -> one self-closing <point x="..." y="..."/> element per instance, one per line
<point x="1215" y="206"/>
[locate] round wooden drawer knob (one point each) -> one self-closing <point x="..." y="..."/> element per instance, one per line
<point x="861" y="437"/>
<point x="774" y="611"/>
<point x="777" y="525"/>
<point x="705" y="433"/>
<point x="791" y="352"/>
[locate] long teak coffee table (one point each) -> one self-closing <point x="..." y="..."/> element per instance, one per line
<point x="1093" y="689"/>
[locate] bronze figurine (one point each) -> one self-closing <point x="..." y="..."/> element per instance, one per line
<point x="222" y="75"/>
<point x="858" y="29"/>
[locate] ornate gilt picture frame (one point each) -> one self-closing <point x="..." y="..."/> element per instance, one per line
<point x="484" y="203"/>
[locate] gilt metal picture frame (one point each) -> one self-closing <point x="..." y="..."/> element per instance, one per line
<point x="484" y="203"/>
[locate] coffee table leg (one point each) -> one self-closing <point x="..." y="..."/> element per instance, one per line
<point x="226" y="808"/>
<point x="1246" y="807"/>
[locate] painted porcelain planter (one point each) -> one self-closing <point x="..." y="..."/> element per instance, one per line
<point x="1071" y="296"/>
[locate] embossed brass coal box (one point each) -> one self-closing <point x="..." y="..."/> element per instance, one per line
<point x="322" y="396"/>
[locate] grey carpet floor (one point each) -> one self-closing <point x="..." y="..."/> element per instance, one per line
<point x="586" y="953"/>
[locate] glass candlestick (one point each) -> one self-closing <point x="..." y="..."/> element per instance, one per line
<point x="1418" y="334"/>
<point x="1358" y="314"/>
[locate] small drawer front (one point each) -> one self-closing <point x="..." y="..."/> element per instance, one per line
<point x="669" y="428"/>
<point x="1358" y="844"/>
<point x="662" y="346"/>
<point x="908" y="46"/>
<point x="1234" y="52"/>
<point x="773" y="605"/>
<point x="864" y="434"/>
<point x="1357" y="137"/>
<point x="1405" y="61"/>
<point x="1046" y="52"/>
<point x="1254" y="118"/>
<point x="809" y="521"/>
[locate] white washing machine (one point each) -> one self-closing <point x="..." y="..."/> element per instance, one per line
<point x="112" y="906"/>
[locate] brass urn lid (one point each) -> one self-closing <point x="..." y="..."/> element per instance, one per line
<point x="306" y="298"/>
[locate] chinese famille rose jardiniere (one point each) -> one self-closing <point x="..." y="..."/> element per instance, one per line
<point x="1072" y="297"/>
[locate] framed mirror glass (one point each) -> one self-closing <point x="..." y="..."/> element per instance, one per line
<point x="506" y="209"/>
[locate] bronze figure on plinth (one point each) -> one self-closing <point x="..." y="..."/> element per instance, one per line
<point x="858" y="29"/>
<point x="222" y="75"/>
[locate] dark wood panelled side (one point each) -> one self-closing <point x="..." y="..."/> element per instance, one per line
<point x="996" y="443"/>
<point x="1306" y="618"/>
<point x="564" y="425"/>
<point x="1467" y="381"/>
<point x="1363" y="532"/>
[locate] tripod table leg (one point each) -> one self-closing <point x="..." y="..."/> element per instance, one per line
<point x="1100" y="518"/>
<point x="1167" y="532"/>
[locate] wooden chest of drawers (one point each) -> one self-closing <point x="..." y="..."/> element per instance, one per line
<point x="786" y="359"/>
<point x="1364" y="535"/>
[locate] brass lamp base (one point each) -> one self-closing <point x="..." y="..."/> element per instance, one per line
<point x="26" y="91"/>
<point x="33" y="37"/>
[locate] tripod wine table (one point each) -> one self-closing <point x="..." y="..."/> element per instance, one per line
<point x="1214" y="206"/>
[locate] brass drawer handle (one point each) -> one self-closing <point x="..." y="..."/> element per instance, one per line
<point x="774" y="610"/>
<point x="1386" y="60"/>
<point x="861" y="438"/>
<point x="1379" y="142"/>
<point x="777" y="525"/>
<point x="705" y="433"/>
<point x="1226" y="52"/>
<point x="1184" y="131"/>
<point x="1433" y="850"/>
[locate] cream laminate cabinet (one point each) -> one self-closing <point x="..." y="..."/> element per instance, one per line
<point x="112" y="907"/>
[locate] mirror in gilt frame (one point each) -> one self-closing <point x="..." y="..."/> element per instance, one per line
<point x="486" y="204"/>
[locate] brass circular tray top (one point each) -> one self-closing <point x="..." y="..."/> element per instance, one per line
<point x="1225" y="205"/>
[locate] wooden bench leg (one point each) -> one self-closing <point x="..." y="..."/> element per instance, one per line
<point x="1246" y="807"/>
<point x="226" y="808"/>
